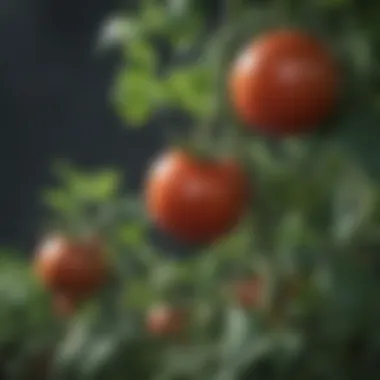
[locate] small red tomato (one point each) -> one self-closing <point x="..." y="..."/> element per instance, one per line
<point x="195" y="200"/>
<point x="249" y="292"/>
<point x="164" y="320"/>
<point x="76" y="268"/>
<point x="284" y="83"/>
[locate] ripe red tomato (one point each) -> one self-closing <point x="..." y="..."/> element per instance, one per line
<point x="164" y="320"/>
<point x="284" y="83"/>
<point x="195" y="200"/>
<point x="76" y="268"/>
<point x="249" y="292"/>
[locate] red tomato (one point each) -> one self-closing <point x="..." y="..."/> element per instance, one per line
<point x="249" y="292"/>
<point x="284" y="83"/>
<point x="195" y="200"/>
<point x="72" y="267"/>
<point x="164" y="320"/>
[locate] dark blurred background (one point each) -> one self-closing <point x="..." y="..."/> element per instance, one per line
<point x="53" y="104"/>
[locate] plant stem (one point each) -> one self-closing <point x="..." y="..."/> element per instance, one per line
<point x="220" y="112"/>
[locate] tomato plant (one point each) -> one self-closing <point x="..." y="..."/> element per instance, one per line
<point x="75" y="268"/>
<point x="300" y="224"/>
<point x="193" y="199"/>
<point x="284" y="83"/>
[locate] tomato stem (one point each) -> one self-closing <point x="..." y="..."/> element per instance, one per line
<point x="220" y="114"/>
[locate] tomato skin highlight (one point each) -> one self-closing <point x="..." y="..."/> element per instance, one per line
<point x="195" y="200"/>
<point x="73" y="268"/>
<point x="284" y="83"/>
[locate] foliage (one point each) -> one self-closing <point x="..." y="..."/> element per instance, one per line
<point x="312" y="233"/>
<point x="28" y="326"/>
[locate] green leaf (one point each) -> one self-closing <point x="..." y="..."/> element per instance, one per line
<point x="191" y="29"/>
<point x="71" y="348"/>
<point x="166" y="275"/>
<point x="139" y="294"/>
<point x="142" y="55"/>
<point x="186" y="25"/>
<point x="189" y="362"/>
<point x="357" y="50"/>
<point x="178" y="8"/>
<point x="154" y="17"/>
<point x="191" y="89"/>
<point x="238" y="333"/>
<point x="57" y="200"/>
<point x="97" y="187"/>
<point x="291" y="231"/>
<point x="238" y="244"/>
<point x="262" y="159"/>
<point x="102" y="349"/>
<point x="78" y="189"/>
<point x="136" y="95"/>
<point x="132" y="235"/>
<point x="354" y="204"/>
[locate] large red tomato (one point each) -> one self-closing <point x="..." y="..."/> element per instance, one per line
<point x="195" y="200"/>
<point x="163" y="320"/>
<point x="284" y="83"/>
<point x="75" y="268"/>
